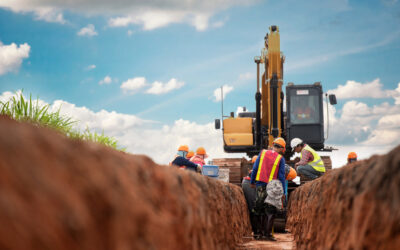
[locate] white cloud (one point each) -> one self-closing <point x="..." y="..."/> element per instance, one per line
<point x="162" y="88"/>
<point x="217" y="92"/>
<point x="109" y="122"/>
<point x="119" y="21"/>
<point x="131" y="86"/>
<point x="148" y="14"/>
<point x="90" y="67"/>
<point x="129" y="32"/>
<point x="353" y="89"/>
<point x="50" y="15"/>
<point x="89" y="30"/>
<point x="11" y="56"/>
<point x="106" y="80"/>
<point x="396" y="94"/>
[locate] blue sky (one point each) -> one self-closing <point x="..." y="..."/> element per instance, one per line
<point x="185" y="51"/>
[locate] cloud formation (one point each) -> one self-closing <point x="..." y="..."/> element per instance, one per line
<point x="217" y="92"/>
<point x="11" y="56"/>
<point x="106" y="80"/>
<point x="89" y="30"/>
<point x="158" y="88"/>
<point x="147" y="14"/>
<point x="353" y="89"/>
<point x="365" y="124"/>
<point x="90" y="67"/>
<point x="133" y="85"/>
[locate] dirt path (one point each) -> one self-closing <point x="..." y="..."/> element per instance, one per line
<point x="284" y="241"/>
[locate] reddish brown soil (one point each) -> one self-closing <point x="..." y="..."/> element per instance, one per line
<point x="57" y="193"/>
<point x="284" y="241"/>
<point x="354" y="207"/>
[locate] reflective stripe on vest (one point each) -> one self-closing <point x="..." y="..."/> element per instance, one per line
<point x="317" y="163"/>
<point x="269" y="160"/>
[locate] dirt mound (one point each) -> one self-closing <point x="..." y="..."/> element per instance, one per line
<point x="57" y="193"/>
<point x="354" y="207"/>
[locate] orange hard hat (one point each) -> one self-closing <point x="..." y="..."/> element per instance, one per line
<point x="201" y="151"/>
<point x="280" y="141"/>
<point x="183" y="148"/>
<point x="190" y="154"/>
<point x="291" y="175"/>
<point x="254" y="158"/>
<point x="352" y="155"/>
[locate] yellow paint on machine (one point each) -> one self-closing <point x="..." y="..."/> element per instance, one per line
<point x="238" y="131"/>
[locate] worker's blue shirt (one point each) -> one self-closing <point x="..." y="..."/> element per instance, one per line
<point x="281" y="174"/>
<point x="181" y="161"/>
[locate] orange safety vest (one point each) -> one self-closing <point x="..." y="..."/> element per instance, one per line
<point x="269" y="162"/>
<point x="170" y="164"/>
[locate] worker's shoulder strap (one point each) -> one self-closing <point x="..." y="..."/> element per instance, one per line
<point x="308" y="148"/>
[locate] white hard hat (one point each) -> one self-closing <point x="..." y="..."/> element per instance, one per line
<point x="295" y="142"/>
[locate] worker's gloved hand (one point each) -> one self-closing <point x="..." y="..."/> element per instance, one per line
<point x="199" y="168"/>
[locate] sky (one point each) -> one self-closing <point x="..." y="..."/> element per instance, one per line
<point x="148" y="72"/>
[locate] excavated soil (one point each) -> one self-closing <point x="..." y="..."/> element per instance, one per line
<point x="284" y="241"/>
<point x="57" y="193"/>
<point x="354" y="207"/>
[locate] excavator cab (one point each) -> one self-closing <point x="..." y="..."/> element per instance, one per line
<point x="304" y="115"/>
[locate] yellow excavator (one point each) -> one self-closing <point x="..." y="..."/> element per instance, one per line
<point x="250" y="132"/>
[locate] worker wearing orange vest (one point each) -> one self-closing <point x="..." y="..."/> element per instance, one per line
<point x="181" y="161"/>
<point x="269" y="176"/>
<point x="352" y="157"/>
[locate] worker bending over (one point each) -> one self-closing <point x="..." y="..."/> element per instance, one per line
<point x="310" y="164"/>
<point x="352" y="157"/>
<point x="269" y="176"/>
<point x="181" y="161"/>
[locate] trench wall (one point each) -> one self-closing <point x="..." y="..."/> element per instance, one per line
<point x="353" y="207"/>
<point x="57" y="193"/>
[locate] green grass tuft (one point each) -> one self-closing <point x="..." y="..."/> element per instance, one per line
<point x="30" y="111"/>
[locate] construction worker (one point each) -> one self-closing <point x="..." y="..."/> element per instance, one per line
<point x="199" y="157"/>
<point x="250" y="196"/>
<point x="310" y="164"/>
<point x="189" y="154"/>
<point x="181" y="161"/>
<point x="352" y="157"/>
<point x="269" y="176"/>
<point x="303" y="113"/>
